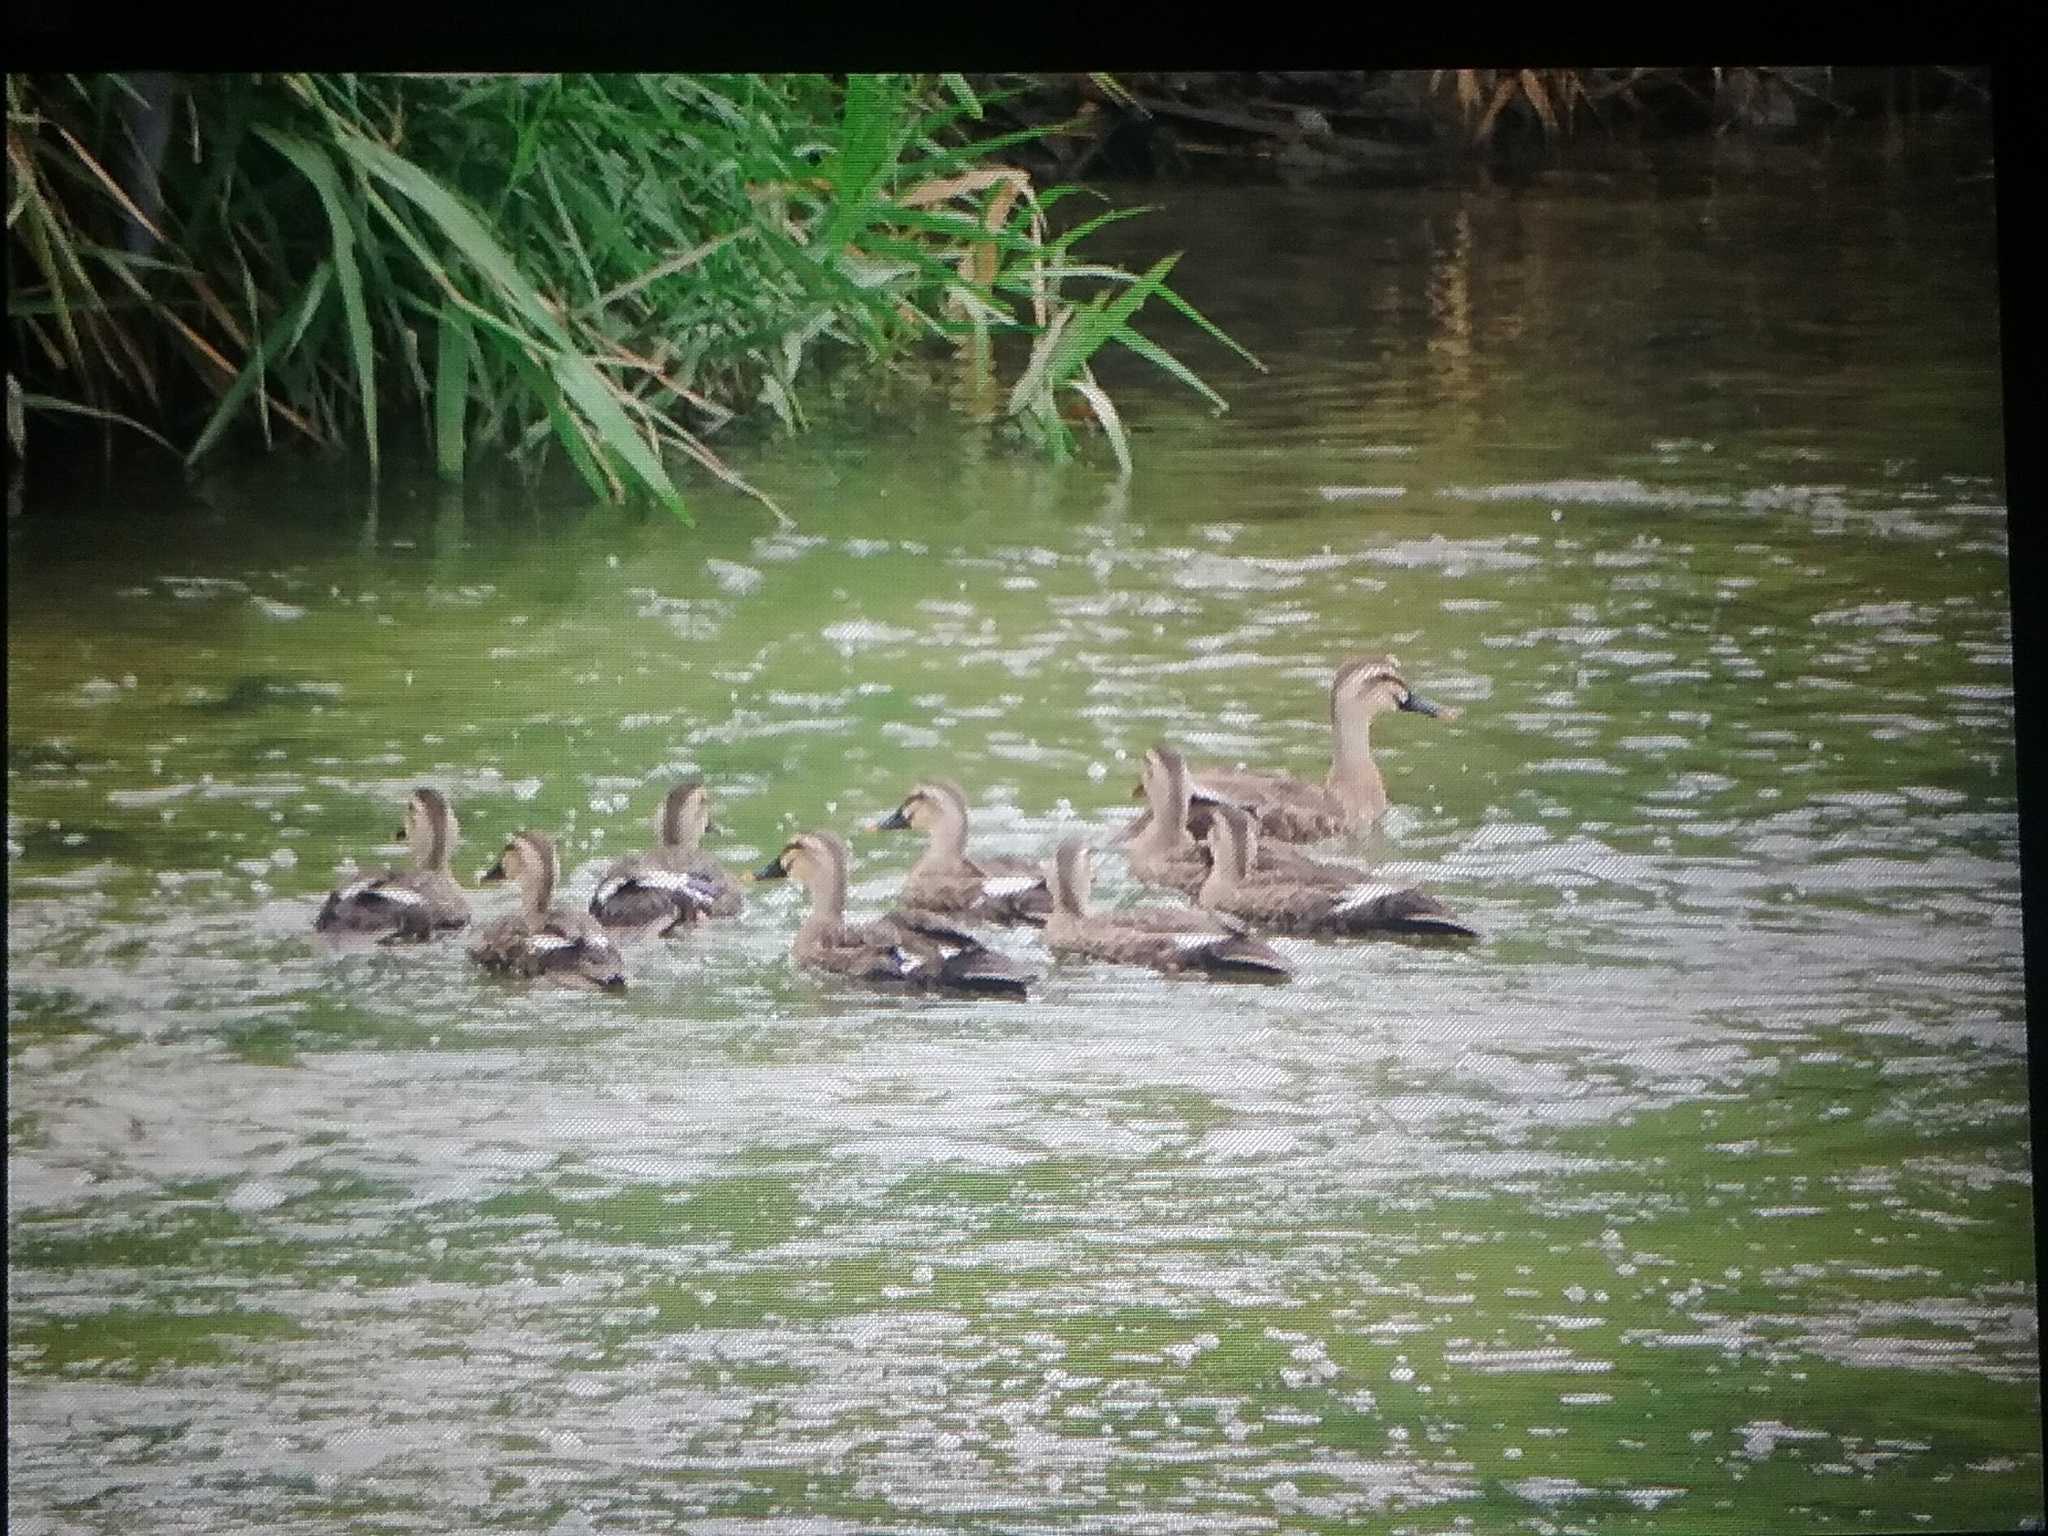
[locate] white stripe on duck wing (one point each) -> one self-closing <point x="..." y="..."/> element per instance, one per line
<point x="957" y="959"/>
<point x="573" y="951"/>
<point x="640" y="894"/>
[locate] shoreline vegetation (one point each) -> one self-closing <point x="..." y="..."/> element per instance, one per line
<point x="619" y="269"/>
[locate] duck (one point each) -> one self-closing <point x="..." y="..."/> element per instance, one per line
<point x="904" y="951"/>
<point x="412" y="904"/>
<point x="1162" y="851"/>
<point x="1353" y="794"/>
<point x="995" y="889"/>
<point x="555" y="943"/>
<point x="1284" y="905"/>
<point x="1171" y="941"/>
<point x="673" y="885"/>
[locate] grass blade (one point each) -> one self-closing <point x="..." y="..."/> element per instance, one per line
<point x="452" y="358"/>
<point x="289" y="326"/>
<point x="312" y="163"/>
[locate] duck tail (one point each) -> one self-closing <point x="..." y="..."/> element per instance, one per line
<point x="1245" y="959"/>
<point x="985" y="973"/>
<point x="1412" y="913"/>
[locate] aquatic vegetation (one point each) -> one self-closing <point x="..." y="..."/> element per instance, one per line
<point x="616" y="265"/>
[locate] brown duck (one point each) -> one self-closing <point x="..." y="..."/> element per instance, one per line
<point x="556" y="944"/>
<point x="906" y="951"/>
<point x="1175" y="942"/>
<point x="1352" y="794"/>
<point x="1162" y="851"/>
<point x="674" y="885"/>
<point x="1292" y="906"/>
<point x="406" y="904"/>
<point x="993" y="888"/>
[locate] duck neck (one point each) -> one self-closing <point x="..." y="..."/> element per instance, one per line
<point x="1167" y="833"/>
<point x="1220" y="884"/>
<point x="828" y="899"/>
<point x="677" y="832"/>
<point x="537" y="888"/>
<point x="945" y="846"/>
<point x="1354" y="778"/>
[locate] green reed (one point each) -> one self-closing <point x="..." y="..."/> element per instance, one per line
<point x="617" y="266"/>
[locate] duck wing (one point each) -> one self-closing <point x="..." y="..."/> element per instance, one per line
<point x="1288" y="810"/>
<point x="726" y="899"/>
<point x="1013" y="890"/>
<point x="572" y="949"/>
<point x="1282" y="859"/>
<point x="392" y="903"/>
<point x="957" y="958"/>
<point x="641" y="892"/>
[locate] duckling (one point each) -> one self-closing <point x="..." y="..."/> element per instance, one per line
<point x="1288" y="906"/>
<point x="406" y="904"/>
<point x="910" y="951"/>
<point x="996" y="889"/>
<point x="1172" y="942"/>
<point x="674" y="885"/>
<point x="1353" y="794"/>
<point x="555" y="943"/>
<point x="1161" y="850"/>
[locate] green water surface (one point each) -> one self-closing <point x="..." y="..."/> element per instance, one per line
<point x="1694" y="1198"/>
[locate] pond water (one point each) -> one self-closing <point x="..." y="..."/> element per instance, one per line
<point x="1695" y="1197"/>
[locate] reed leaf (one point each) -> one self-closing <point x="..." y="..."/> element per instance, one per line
<point x="453" y="356"/>
<point x="315" y="166"/>
<point x="283" y="334"/>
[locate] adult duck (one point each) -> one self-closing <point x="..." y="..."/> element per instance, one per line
<point x="1353" y="793"/>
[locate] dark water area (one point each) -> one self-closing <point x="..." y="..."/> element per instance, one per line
<point x="1694" y="1197"/>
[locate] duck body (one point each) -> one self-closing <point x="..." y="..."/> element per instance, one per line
<point x="674" y="885"/>
<point x="990" y="889"/>
<point x="905" y="951"/>
<point x="1182" y="942"/>
<point x="1353" y="793"/>
<point x="1161" y="850"/>
<point x="1369" y="907"/>
<point x="405" y="905"/>
<point x="541" y="941"/>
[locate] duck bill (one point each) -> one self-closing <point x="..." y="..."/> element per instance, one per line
<point x="772" y="870"/>
<point x="1416" y="704"/>
<point x="895" y="821"/>
<point x="495" y="872"/>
